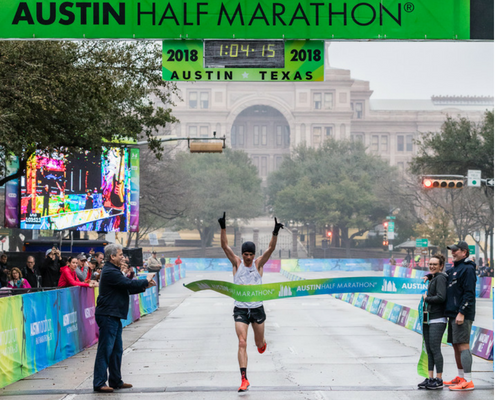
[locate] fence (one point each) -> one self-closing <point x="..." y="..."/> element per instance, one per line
<point x="40" y="329"/>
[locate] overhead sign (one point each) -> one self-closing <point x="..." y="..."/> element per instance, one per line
<point x="474" y="178"/>
<point x="264" y="19"/>
<point x="421" y="242"/>
<point x="243" y="60"/>
<point x="489" y="182"/>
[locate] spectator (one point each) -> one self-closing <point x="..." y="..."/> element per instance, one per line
<point x="392" y="261"/>
<point x="32" y="273"/>
<point x="82" y="268"/>
<point x="18" y="282"/>
<point x="50" y="269"/>
<point x="4" y="270"/>
<point x="92" y="265"/>
<point x="68" y="275"/>
<point x="163" y="260"/>
<point x="97" y="274"/>
<point x="99" y="257"/>
<point x="153" y="264"/>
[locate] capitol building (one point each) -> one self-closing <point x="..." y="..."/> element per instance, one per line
<point x="267" y="120"/>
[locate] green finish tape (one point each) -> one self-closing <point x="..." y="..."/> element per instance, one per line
<point x="311" y="287"/>
<point x="183" y="61"/>
<point x="239" y="19"/>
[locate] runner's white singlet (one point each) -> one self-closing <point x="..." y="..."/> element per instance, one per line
<point x="247" y="276"/>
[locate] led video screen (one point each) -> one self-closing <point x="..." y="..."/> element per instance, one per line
<point x="87" y="192"/>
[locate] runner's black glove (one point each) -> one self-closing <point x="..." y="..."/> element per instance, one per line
<point x="221" y="221"/>
<point x="277" y="227"/>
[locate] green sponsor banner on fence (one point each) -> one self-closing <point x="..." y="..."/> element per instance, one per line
<point x="301" y="61"/>
<point x="238" y="19"/>
<point x="311" y="287"/>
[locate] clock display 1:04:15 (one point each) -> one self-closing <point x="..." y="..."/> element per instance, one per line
<point x="232" y="50"/>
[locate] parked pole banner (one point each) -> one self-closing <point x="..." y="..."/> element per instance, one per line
<point x="311" y="287"/>
<point x="243" y="19"/>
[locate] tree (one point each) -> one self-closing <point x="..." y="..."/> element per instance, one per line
<point x="337" y="184"/>
<point x="459" y="146"/>
<point x="437" y="227"/>
<point x="75" y="96"/>
<point x="216" y="183"/>
<point x="163" y="193"/>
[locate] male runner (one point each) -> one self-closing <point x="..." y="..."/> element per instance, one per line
<point x="248" y="271"/>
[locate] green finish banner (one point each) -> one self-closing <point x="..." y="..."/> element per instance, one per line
<point x="302" y="61"/>
<point x="242" y="19"/>
<point x="311" y="287"/>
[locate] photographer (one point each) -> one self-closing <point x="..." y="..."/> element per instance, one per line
<point x="50" y="269"/>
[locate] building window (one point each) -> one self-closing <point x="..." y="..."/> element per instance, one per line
<point x="203" y="131"/>
<point x="323" y="100"/>
<point x="357" y="137"/>
<point x="264" y="139"/>
<point x="286" y="136"/>
<point x="263" y="166"/>
<point x="384" y="144"/>
<point x="357" y="110"/>
<point x="409" y="143"/>
<point x="342" y="131"/>
<point x="240" y="135"/>
<point x="256" y="135"/>
<point x="317" y="101"/>
<point x="279" y="136"/>
<point x="303" y="133"/>
<point x="278" y="162"/>
<point x="400" y="142"/>
<point x="233" y="136"/>
<point x="328" y="132"/>
<point x="327" y="101"/>
<point x="204" y="98"/>
<point x="374" y="143"/>
<point x="316" y="136"/>
<point x="193" y="131"/>
<point x="256" y="162"/>
<point x="193" y="99"/>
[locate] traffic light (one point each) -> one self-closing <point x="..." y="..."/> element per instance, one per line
<point x="329" y="234"/>
<point x="385" y="233"/>
<point x="433" y="183"/>
<point x="206" y="147"/>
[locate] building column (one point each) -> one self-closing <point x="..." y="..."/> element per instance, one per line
<point x="294" y="243"/>
<point x="256" y="237"/>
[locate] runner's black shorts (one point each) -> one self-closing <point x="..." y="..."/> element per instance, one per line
<point x="249" y="315"/>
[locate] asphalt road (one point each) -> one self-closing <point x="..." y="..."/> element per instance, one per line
<point x="318" y="348"/>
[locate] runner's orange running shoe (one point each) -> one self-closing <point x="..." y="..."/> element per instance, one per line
<point x="454" y="381"/>
<point x="244" y="385"/>
<point x="262" y="349"/>
<point x="463" y="386"/>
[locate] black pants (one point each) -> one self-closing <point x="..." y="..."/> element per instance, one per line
<point x="433" y="334"/>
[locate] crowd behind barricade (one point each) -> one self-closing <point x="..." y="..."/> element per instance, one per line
<point x="55" y="271"/>
<point x="418" y="262"/>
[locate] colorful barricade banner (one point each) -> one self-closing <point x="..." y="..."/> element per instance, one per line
<point x="88" y="330"/>
<point x="331" y="264"/>
<point x="68" y="322"/>
<point x="11" y="340"/>
<point x="41" y="330"/>
<point x="311" y="287"/>
<point x="401" y="272"/>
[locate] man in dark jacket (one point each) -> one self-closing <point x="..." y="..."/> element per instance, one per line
<point x="31" y="272"/>
<point x="4" y="270"/>
<point x="112" y="306"/>
<point x="460" y="309"/>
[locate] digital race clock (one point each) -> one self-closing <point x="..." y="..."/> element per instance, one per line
<point x="244" y="54"/>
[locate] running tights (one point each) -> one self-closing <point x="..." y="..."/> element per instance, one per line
<point x="433" y="334"/>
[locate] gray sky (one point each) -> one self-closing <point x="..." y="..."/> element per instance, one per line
<point x="418" y="70"/>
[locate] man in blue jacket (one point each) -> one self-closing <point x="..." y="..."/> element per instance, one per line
<point x="112" y="306"/>
<point x="460" y="309"/>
